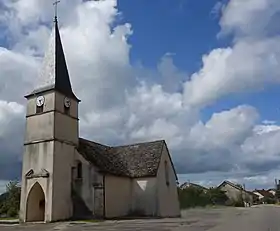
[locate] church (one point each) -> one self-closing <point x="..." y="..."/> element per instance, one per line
<point x="67" y="177"/>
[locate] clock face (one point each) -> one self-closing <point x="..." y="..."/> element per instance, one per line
<point x="40" y="101"/>
<point x="67" y="102"/>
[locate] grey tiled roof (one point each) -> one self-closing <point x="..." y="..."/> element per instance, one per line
<point x="136" y="160"/>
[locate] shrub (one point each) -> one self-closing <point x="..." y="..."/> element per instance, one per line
<point x="195" y="197"/>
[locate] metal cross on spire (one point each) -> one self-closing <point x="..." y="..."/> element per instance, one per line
<point x="55" y="9"/>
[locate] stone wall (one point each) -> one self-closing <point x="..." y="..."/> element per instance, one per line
<point x="90" y="186"/>
<point x="167" y="193"/>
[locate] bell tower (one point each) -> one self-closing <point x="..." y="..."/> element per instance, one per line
<point x="51" y="138"/>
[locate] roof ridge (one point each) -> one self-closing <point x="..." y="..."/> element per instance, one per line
<point x="232" y="184"/>
<point x="139" y="143"/>
<point x="90" y="141"/>
<point x="195" y="184"/>
<point x="236" y="186"/>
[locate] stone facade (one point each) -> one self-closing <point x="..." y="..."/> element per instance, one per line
<point x="110" y="196"/>
<point x="49" y="152"/>
<point x="235" y="193"/>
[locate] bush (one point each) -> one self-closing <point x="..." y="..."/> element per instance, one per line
<point x="269" y="200"/>
<point x="192" y="197"/>
<point x="12" y="212"/>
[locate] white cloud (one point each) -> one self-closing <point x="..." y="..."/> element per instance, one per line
<point x="264" y="146"/>
<point x="8" y="112"/>
<point x="249" y="65"/>
<point x="253" y="60"/>
<point x="3" y="186"/>
<point x="250" y="18"/>
<point x="225" y="129"/>
<point x="121" y="103"/>
<point x="262" y="129"/>
<point x="17" y="74"/>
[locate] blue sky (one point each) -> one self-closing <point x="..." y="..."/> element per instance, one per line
<point x="183" y="27"/>
<point x="188" y="29"/>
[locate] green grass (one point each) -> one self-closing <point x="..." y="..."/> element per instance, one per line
<point x="7" y="218"/>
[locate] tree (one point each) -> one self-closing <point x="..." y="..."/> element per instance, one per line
<point x="11" y="200"/>
<point x="3" y="198"/>
<point x="192" y="197"/>
<point x="217" y="196"/>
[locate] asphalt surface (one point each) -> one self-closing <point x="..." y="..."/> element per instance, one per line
<point x="260" y="218"/>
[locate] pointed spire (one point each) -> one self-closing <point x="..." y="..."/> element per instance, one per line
<point x="54" y="73"/>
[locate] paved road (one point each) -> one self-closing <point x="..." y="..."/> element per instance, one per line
<point x="261" y="218"/>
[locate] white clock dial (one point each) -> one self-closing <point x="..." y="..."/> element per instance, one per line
<point x="40" y="101"/>
<point x="67" y="102"/>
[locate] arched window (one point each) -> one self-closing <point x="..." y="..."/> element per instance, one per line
<point x="79" y="170"/>
<point x="166" y="173"/>
<point x="39" y="109"/>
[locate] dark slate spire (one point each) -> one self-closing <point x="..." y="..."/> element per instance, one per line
<point x="54" y="73"/>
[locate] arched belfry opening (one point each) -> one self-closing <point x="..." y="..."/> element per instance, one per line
<point x="35" y="207"/>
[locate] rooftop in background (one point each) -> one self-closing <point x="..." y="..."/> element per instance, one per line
<point x="263" y="192"/>
<point x="189" y="184"/>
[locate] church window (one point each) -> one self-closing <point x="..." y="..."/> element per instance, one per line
<point x="79" y="170"/>
<point x="67" y="103"/>
<point x="166" y="173"/>
<point x="39" y="109"/>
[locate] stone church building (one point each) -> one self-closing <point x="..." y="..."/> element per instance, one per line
<point x="68" y="177"/>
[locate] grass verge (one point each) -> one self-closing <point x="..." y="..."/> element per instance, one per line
<point x="8" y="218"/>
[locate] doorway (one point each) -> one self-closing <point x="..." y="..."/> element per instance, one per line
<point x="35" y="206"/>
